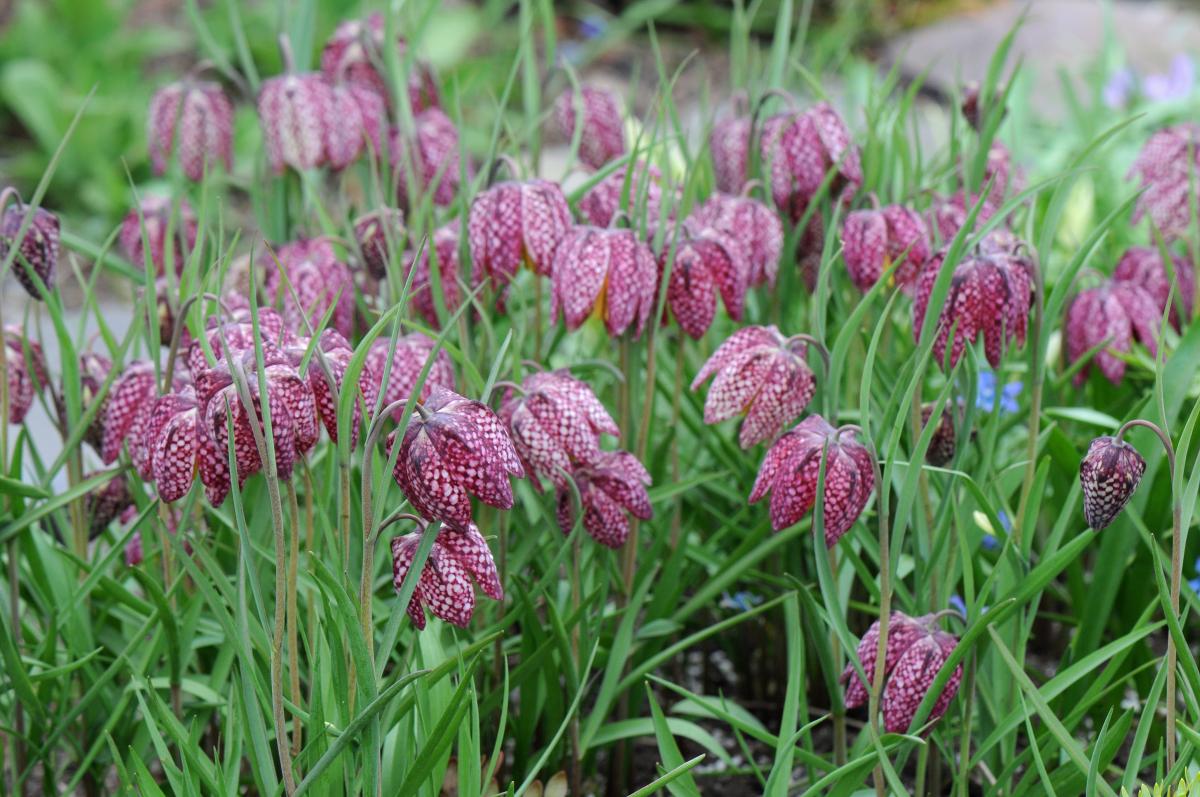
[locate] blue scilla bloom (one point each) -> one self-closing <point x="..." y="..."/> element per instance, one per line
<point x="985" y="393"/>
<point x="742" y="601"/>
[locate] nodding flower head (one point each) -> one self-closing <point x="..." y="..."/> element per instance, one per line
<point x="170" y="440"/>
<point x="706" y="263"/>
<point x="799" y="149"/>
<point x="915" y="651"/>
<point x="318" y="281"/>
<point x="1166" y="169"/>
<point x="93" y="370"/>
<point x="153" y="229"/>
<point x="26" y="372"/>
<point x="606" y="272"/>
<point x="729" y="144"/>
<point x="38" y="249"/>
<point x="944" y="444"/>
<point x="874" y="240"/>
<point x="377" y="233"/>
<point x="296" y="111"/>
<point x="354" y="49"/>
<point x="513" y="224"/>
<point x="357" y="121"/>
<point x="1114" y="313"/>
<point x="443" y="247"/>
<point x="760" y="375"/>
<point x="454" y="448"/>
<point x="412" y="352"/>
<point x="130" y="402"/>
<point x="1143" y="266"/>
<point x="555" y="421"/>
<point x="755" y="227"/>
<point x="458" y="560"/>
<point x="624" y="190"/>
<point x="337" y="353"/>
<point x="431" y="153"/>
<point x="195" y="119"/>
<point x="603" y="135"/>
<point x="105" y="503"/>
<point x="791" y="469"/>
<point x="1109" y="473"/>
<point x="611" y="488"/>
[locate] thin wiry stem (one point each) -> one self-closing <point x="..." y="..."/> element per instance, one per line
<point x="293" y="618"/>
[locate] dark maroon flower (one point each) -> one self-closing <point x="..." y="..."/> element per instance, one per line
<point x="105" y="504"/>
<point x="753" y="225"/>
<point x="989" y="297"/>
<point x="1143" y="265"/>
<point x="799" y="149"/>
<point x="150" y="227"/>
<point x="170" y="433"/>
<point x="791" y="469"/>
<point x="455" y="447"/>
<point x="707" y="263"/>
<point x="337" y="354"/>
<point x="515" y="223"/>
<point x="197" y="117"/>
<point x="239" y="335"/>
<point x="38" y="249"/>
<point x="1109" y="473"/>
<point x="130" y="402"/>
<point x="458" y="560"/>
<point x="412" y="352"/>
<point x="873" y="240"/>
<point x="376" y="233"/>
<point x="644" y="190"/>
<point x="555" y="425"/>
<point x="810" y="251"/>
<point x="355" y="48"/>
<point x="93" y="370"/>
<point x="444" y="247"/>
<point x="295" y="111"/>
<point x="26" y="372"/>
<point x="603" y="136"/>
<point x="318" y="280"/>
<point x="611" y="488"/>
<point x="1166" y="169"/>
<point x="1116" y="312"/>
<point x="431" y="153"/>
<point x="943" y="445"/>
<point x="607" y="272"/>
<point x="729" y="144"/>
<point x="760" y="375"/>
<point x="916" y="650"/>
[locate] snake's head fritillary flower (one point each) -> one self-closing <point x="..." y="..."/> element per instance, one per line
<point x="944" y="443"/>
<point x="1117" y="313"/>
<point x="453" y="448"/>
<point x="430" y="155"/>
<point x="1166" y="169"/>
<point x="1109" y="473"/>
<point x="38" y="249"/>
<point x="130" y="401"/>
<point x="707" y="263"/>
<point x="170" y="433"/>
<point x="444" y="248"/>
<point x="337" y="355"/>
<point x="753" y="225"/>
<point x="357" y="120"/>
<point x="513" y="224"/>
<point x="459" y="559"/>
<point x="799" y="149"/>
<point x="93" y="370"/>
<point x="1143" y="265"/>
<point x="873" y="240"/>
<point x="624" y="190"/>
<point x="555" y="425"/>
<point x="916" y="650"/>
<point x="238" y="334"/>
<point x="152" y="228"/>
<point x="729" y="144"/>
<point x="318" y="279"/>
<point x="412" y="352"/>
<point x="611" y="488"/>
<point x="197" y="118"/>
<point x="949" y="214"/>
<point x="606" y="272"/>
<point x="760" y="375"/>
<point x="105" y="504"/>
<point x="791" y="469"/>
<point x="295" y="111"/>
<point x="603" y="135"/>
<point x="989" y="297"/>
<point x="26" y="372"/>
<point x="354" y="49"/>
<point x="376" y="233"/>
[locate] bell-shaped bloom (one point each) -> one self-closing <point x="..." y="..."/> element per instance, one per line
<point x="944" y="443"/>
<point x="357" y="46"/>
<point x="792" y="467"/>
<point x="444" y="248"/>
<point x="376" y="234"/>
<point x="513" y="224"/>
<point x="38" y="249"/>
<point x="238" y="335"/>
<point x="989" y="297"/>
<point x="607" y="272"/>
<point x="408" y="360"/>
<point x="1143" y="266"/>
<point x="150" y="229"/>
<point x="130" y="401"/>
<point x="170" y="433"/>
<point x="318" y="281"/>
<point x="799" y="149"/>
<point x="623" y="190"/>
<point x="195" y="119"/>
<point x="453" y="448"/>
<point x="729" y="145"/>
<point x="753" y="225"/>
<point x="458" y="560"/>
<point x="337" y="355"/>
<point x="295" y="111"/>
<point x="949" y="214"/>
<point x="105" y="503"/>
<point x="430" y="156"/>
<point x="603" y="135"/>
<point x="357" y="120"/>
<point x="1166" y="170"/>
<point x="760" y="375"/>
<point x="93" y="370"/>
<point x="916" y="649"/>
<point x="1116" y="313"/>
<point x="874" y="240"/>
<point x="1108" y="473"/>
<point x="611" y="488"/>
<point x="25" y="367"/>
<point x="706" y="263"/>
<point x="555" y="424"/>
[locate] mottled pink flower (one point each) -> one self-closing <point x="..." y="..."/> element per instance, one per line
<point x="760" y="375"/>
<point x="753" y="225"/>
<point x="239" y="335"/>
<point x="458" y="560"/>
<point x="355" y="50"/>
<point x="357" y="119"/>
<point x="318" y="280"/>
<point x="729" y="145"/>
<point x="1166" y="169"/>
<point x="376" y="233"/>
<point x="133" y="550"/>
<point x="412" y="352"/>
<point x="791" y="469"/>
<point x="26" y="372"/>
<point x="1143" y="265"/>
<point x="130" y="402"/>
<point x="432" y="155"/>
<point x="196" y="116"/>
<point x="1116" y="313"/>
<point x="555" y="423"/>
<point x="337" y="354"/>
<point x="603" y="136"/>
<point x="105" y="503"/>
<point x="810" y="251"/>
<point x="707" y="262"/>
<point x="915" y="652"/>
<point x="38" y="249"/>
<point x="444" y="247"/>
<point x="949" y="214"/>
<point x="611" y="488"/>
<point x="604" y="199"/>
<point x="873" y="240"/>
<point x="93" y="370"/>
<point x="515" y="223"/>
<point x="295" y="111"/>
<point x="453" y="448"/>
<point x="149" y="228"/>
<point x="799" y="149"/>
<point x="170" y="433"/>
<point x="1108" y="473"/>
<point x="608" y="272"/>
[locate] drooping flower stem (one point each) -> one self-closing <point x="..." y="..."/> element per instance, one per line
<point x="293" y="616"/>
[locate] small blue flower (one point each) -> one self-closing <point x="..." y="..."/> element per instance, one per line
<point x="742" y="601"/>
<point x="1005" y="521"/>
<point x="958" y="605"/>
<point x="985" y="394"/>
<point x="990" y="542"/>
<point x="1120" y="88"/>
<point x="1176" y="84"/>
<point x="593" y="26"/>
